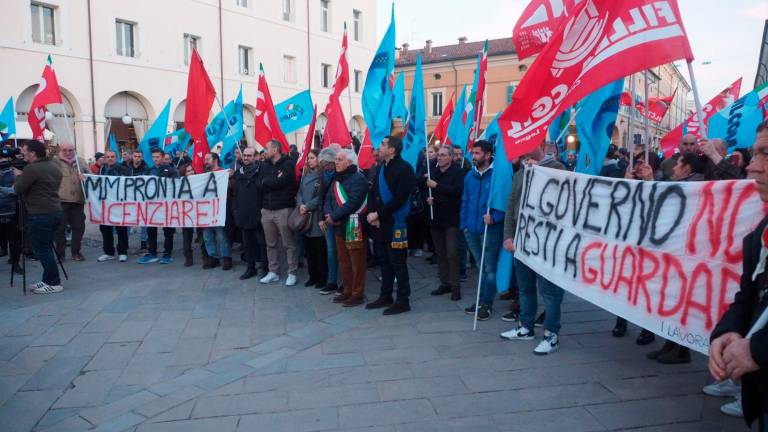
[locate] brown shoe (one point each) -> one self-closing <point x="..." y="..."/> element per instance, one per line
<point x="340" y="298"/>
<point x="668" y="346"/>
<point x="353" y="301"/>
<point x="78" y="257"/>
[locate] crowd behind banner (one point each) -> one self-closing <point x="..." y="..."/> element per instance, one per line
<point x="343" y="221"/>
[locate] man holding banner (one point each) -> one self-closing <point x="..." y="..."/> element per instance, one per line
<point x="160" y="169"/>
<point x="733" y="353"/>
<point x="113" y="169"/>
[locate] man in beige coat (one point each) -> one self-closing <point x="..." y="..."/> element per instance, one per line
<point x="72" y="200"/>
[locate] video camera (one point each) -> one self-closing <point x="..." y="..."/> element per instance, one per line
<point x="11" y="153"/>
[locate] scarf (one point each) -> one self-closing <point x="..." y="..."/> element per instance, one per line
<point x="399" y="229"/>
<point x="353" y="232"/>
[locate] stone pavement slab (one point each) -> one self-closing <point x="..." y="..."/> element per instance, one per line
<point x="168" y="348"/>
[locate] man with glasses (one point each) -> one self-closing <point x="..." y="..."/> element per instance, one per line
<point x="72" y="199"/>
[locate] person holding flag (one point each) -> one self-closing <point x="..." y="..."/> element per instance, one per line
<point x="72" y="169"/>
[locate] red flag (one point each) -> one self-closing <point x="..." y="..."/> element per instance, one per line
<point x="602" y="41"/>
<point x="336" y="129"/>
<point x="539" y="21"/>
<point x="342" y="69"/>
<point x="657" y="107"/>
<point x="266" y="126"/>
<point x="365" y="158"/>
<point x="200" y="96"/>
<point x="626" y="99"/>
<point x="691" y="125"/>
<point x="307" y="144"/>
<point x="441" y="129"/>
<point x="48" y="92"/>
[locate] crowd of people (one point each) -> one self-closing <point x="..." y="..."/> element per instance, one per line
<point x="344" y="221"/>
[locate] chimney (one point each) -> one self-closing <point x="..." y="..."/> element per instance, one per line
<point x="405" y="48"/>
<point x="462" y="40"/>
<point x="428" y="47"/>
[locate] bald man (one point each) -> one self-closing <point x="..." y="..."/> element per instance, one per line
<point x="687" y="145"/>
<point x="72" y="200"/>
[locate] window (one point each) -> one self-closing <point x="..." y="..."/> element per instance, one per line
<point x="325" y="77"/>
<point x="191" y="43"/>
<point x="289" y="69"/>
<point x="510" y="91"/>
<point x="42" y="24"/>
<point x="125" y="38"/>
<point x="242" y="3"/>
<point x="358" y="80"/>
<point x="244" y="60"/>
<point x="437" y="104"/>
<point x="324" y="15"/>
<point x="357" y="22"/>
<point x="288" y="10"/>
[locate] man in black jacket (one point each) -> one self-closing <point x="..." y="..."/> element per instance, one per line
<point x="447" y="185"/>
<point x="248" y="213"/>
<point x="279" y="198"/>
<point x="114" y="169"/>
<point x="389" y="207"/>
<point x="731" y="353"/>
<point x="159" y="169"/>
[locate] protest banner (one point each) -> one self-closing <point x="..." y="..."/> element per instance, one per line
<point x="150" y="201"/>
<point x="664" y="255"/>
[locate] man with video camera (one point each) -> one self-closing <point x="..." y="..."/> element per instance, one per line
<point x="9" y="217"/>
<point x="38" y="186"/>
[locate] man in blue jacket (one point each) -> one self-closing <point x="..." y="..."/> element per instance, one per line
<point x="475" y="216"/>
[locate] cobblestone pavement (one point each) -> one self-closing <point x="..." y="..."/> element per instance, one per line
<point x="164" y="348"/>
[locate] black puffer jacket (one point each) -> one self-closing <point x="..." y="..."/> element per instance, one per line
<point x="278" y="184"/>
<point x="447" y="196"/>
<point x="247" y="196"/>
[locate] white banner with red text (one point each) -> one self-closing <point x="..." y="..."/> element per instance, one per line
<point x="150" y="201"/>
<point x="664" y="255"/>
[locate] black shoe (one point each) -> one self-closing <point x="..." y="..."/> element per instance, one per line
<point x="320" y="285"/>
<point x="540" y="320"/>
<point x="668" y="346"/>
<point x="329" y="289"/>
<point x="339" y="291"/>
<point x="442" y="289"/>
<point x="509" y="295"/>
<point x="484" y="313"/>
<point x="226" y="263"/>
<point x="396" y="309"/>
<point x="310" y="282"/>
<point x="463" y="276"/>
<point x="678" y="355"/>
<point x="455" y="296"/>
<point x="470" y="310"/>
<point x="249" y="273"/>
<point x="209" y="263"/>
<point x="380" y="303"/>
<point x="620" y="329"/>
<point x="511" y="317"/>
<point x="645" y="338"/>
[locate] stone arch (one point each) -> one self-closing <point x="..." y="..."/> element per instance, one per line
<point x="356" y="127"/>
<point x="56" y="126"/>
<point x="134" y="105"/>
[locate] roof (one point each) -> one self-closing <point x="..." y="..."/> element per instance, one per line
<point x="460" y="51"/>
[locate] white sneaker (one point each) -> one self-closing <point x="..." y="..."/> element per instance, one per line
<point x="290" y="280"/>
<point x="48" y="289"/>
<point x="733" y="409"/>
<point x="269" y="278"/>
<point x="723" y="388"/>
<point x="105" y="257"/>
<point x="122" y="258"/>
<point x="37" y="285"/>
<point x="518" y="333"/>
<point x="547" y="345"/>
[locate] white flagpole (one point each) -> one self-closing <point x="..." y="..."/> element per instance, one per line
<point x="647" y="110"/>
<point x="481" y="271"/>
<point x="697" y="100"/>
<point x="226" y="119"/>
<point x="631" y="122"/>
<point x="429" y="174"/>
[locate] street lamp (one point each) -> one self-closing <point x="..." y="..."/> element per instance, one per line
<point x="127" y="120"/>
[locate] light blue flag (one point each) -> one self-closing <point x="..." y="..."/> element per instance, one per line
<point x="399" y="110"/>
<point x="501" y="187"/>
<point x="155" y="136"/>
<point x="736" y="124"/>
<point x="377" y="94"/>
<point x="113" y="146"/>
<point x="295" y="112"/>
<point x="595" y="122"/>
<point x="416" y="136"/>
<point x="7" y="121"/>
<point x="556" y="128"/>
<point x="227" y="135"/>
<point x="458" y="131"/>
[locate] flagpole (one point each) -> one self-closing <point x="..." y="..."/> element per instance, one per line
<point x="697" y="101"/>
<point x="226" y="118"/>
<point x="647" y="111"/>
<point x="631" y="122"/>
<point x="429" y="175"/>
<point x="480" y="270"/>
<point x="567" y="128"/>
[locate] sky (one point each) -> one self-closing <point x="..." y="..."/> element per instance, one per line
<point x="725" y="34"/>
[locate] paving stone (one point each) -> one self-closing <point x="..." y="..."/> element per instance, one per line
<point x="131" y="331"/>
<point x="192" y="352"/>
<point x="201" y="328"/>
<point x="84" y="344"/>
<point x="294" y="421"/>
<point x="421" y="388"/>
<point x="384" y="413"/>
<point x="325" y="362"/>
<point x="168" y="402"/>
<point x="332" y="396"/>
<point x="113" y="356"/>
<point x="452" y="425"/>
<point x="160" y="341"/>
<point x="223" y="424"/>
<point x="634" y="414"/>
<point x="249" y="403"/>
<point x="116" y="409"/>
<point x="56" y="374"/>
<point x="89" y="389"/>
<point x="24" y="409"/>
<point x="567" y="419"/>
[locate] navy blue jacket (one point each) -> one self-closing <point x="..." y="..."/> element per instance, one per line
<point x="474" y="201"/>
<point x="164" y="170"/>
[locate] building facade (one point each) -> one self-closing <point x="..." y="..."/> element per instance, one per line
<point x="447" y="69"/>
<point x="119" y="62"/>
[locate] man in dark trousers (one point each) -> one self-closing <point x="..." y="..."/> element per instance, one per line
<point x="159" y="169"/>
<point x="248" y="214"/>
<point x="114" y="169"/>
<point x="731" y="354"/>
<point x="447" y="185"/>
<point x="389" y="208"/>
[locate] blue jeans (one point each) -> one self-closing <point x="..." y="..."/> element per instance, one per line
<point x="217" y="236"/>
<point x="552" y="294"/>
<point x="41" y="229"/>
<point x="493" y="240"/>
<point x="333" y="260"/>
